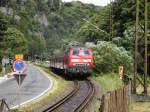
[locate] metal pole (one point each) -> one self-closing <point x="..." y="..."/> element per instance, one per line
<point x="19" y="91"/>
<point x="136" y="46"/>
<point x="145" y="39"/>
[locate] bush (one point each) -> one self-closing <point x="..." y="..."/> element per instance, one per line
<point x="109" y="81"/>
<point x="108" y="57"/>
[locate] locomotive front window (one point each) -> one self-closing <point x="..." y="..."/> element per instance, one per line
<point x="82" y="52"/>
<point x="86" y="53"/>
<point x="75" y="52"/>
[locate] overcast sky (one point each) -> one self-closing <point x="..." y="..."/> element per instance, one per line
<point x="96" y="2"/>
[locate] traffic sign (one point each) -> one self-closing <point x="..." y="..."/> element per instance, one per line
<point x="121" y="72"/>
<point x="19" y="56"/>
<point x="19" y="65"/>
<point x="20" y="78"/>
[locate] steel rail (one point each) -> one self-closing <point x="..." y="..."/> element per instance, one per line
<point x="65" y="99"/>
<point x="88" y="98"/>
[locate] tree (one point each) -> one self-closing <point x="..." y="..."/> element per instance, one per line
<point x="108" y="57"/>
<point x="54" y="4"/>
<point x="37" y="46"/>
<point x="128" y="39"/>
<point x="123" y="15"/>
<point x="3" y="28"/>
<point x="42" y="6"/>
<point x="93" y="30"/>
<point x="14" y="42"/>
<point x="3" y="2"/>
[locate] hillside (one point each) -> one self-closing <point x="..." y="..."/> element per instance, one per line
<point x="46" y="26"/>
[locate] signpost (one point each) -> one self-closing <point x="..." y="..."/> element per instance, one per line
<point x="5" y="61"/>
<point x="121" y="72"/>
<point x="19" y="66"/>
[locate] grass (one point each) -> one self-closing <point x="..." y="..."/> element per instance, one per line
<point x="109" y="81"/>
<point x="8" y="69"/>
<point x="141" y="107"/>
<point x="40" y="102"/>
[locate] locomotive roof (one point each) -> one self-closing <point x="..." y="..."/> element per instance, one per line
<point x="77" y="47"/>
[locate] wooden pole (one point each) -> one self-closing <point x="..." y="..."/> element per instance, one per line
<point x="111" y="20"/>
<point x="136" y="45"/>
<point x="145" y="40"/>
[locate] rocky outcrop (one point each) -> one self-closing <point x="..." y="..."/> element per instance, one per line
<point x="42" y="19"/>
<point x="9" y="12"/>
<point x="54" y="4"/>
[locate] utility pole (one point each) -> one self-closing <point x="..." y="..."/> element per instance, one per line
<point x="145" y="40"/>
<point x="137" y="36"/>
<point x="111" y="20"/>
<point x="136" y="45"/>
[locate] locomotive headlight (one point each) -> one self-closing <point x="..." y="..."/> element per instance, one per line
<point x="87" y="60"/>
<point x="81" y="60"/>
<point x="75" y="60"/>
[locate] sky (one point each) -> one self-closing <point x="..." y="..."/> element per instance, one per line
<point x="96" y="2"/>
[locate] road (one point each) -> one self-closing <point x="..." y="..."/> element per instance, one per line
<point x="34" y="85"/>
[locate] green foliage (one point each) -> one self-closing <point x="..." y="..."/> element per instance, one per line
<point x="61" y="24"/>
<point x="123" y="15"/>
<point x="3" y="26"/>
<point x="14" y="42"/>
<point x="109" y="81"/>
<point x="108" y="57"/>
<point x="54" y="5"/>
<point x="3" y="2"/>
<point x="65" y="23"/>
<point x="37" y="46"/>
<point x="127" y="41"/>
<point x="31" y="7"/>
<point x="42" y="6"/>
<point x="16" y="110"/>
<point x="94" y="29"/>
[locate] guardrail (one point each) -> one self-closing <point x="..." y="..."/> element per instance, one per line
<point x="117" y="101"/>
<point x="3" y="106"/>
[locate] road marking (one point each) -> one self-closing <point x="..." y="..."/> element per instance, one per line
<point x="49" y="88"/>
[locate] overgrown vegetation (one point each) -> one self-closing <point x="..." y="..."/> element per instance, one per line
<point x="109" y="81"/>
<point x="108" y="57"/>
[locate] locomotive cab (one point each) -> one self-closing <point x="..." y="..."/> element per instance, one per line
<point x="79" y="60"/>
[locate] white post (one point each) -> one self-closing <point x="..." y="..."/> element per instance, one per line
<point x="3" y="71"/>
<point x="19" y="91"/>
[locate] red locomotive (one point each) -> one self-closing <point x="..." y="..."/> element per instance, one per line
<point x="75" y="60"/>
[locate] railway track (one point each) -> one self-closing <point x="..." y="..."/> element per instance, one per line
<point x="77" y="100"/>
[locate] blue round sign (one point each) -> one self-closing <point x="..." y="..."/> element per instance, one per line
<point x="19" y="65"/>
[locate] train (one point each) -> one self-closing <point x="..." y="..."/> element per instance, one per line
<point x="74" y="61"/>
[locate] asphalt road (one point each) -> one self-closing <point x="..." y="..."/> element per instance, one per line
<point x="33" y="86"/>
